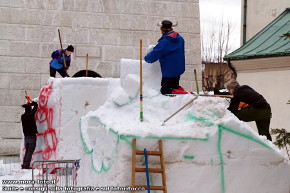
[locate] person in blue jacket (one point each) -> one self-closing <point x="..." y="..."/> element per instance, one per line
<point x="57" y="63"/>
<point x="170" y="53"/>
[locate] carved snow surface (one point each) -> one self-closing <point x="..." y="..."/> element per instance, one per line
<point x="206" y="148"/>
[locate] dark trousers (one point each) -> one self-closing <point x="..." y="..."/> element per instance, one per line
<point x="262" y="118"/>
<point x="30" y="144"/>
<point x="61" y="71"/>
<point x="167" y="84"/>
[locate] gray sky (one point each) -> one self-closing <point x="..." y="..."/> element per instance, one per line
<point x="230" y="10"/>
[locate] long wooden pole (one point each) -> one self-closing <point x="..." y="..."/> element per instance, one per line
<point x="64" y="62"/>
<point x="222" y="96"/>
<point x="206" y="95"/>
<point x="179" y="110"/>
<point x="196" y="82"/>
<point x="141" y="90"/>
<point x="87" y="64"/>
<point x="27" y="97"/>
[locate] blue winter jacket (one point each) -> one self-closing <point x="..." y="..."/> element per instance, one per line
<point x="170" y="53"/>
<point x="57" y="60"/>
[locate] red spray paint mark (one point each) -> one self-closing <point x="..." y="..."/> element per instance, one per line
<point x="44" y="117"/>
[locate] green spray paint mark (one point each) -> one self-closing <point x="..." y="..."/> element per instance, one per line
<point x="221" y="160"/>
<point x="221" y="129"/>
<point x="246" y="136"/>
<point x="84" y="144"/>
<point x="104" y="168"/>
<point x="177" y="138"/>
<point x="191" y="117"/>
<point x="124" y="137"/>
<point x="189" y="157"/>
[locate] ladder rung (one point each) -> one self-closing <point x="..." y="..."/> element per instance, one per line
<point x="157" y="153"/>
<point x="152" y="187"/>
<point x="153" y="170"/>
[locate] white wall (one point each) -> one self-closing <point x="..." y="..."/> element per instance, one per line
<point x="274" y="86"/>
<point x="261" y="12"/>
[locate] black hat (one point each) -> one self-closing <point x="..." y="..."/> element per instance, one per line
<point x="27" y="108"/>
<point x="70" y="48"/>
<point x="166" y="24"/>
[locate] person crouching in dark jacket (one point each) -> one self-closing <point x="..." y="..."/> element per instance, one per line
<point x="29" y="131"/>
<point x="248" y="105"/>
<point x="170" y="53"/>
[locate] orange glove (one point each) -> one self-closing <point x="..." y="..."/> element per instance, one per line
<point x="28" y="99"/>
<point x="243" y="105"/>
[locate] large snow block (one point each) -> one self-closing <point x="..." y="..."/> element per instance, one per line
<point x="151" y="73"/>
<point x="206" y="148"/>
<point x="61" y="104"/>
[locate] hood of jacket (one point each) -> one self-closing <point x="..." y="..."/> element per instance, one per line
<point x="171" y="36"/>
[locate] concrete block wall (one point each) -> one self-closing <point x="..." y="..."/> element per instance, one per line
<point x="106" y="30"/>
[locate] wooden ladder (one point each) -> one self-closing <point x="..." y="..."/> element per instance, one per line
<point x="153" y="170"/>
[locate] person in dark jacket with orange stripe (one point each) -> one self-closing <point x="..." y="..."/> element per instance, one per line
<point x="170" y="53"/>
<point x="29" y="131"/>
<point x="248" y="105"/>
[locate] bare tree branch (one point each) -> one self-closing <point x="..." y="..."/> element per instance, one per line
<point x="215" y="44"/>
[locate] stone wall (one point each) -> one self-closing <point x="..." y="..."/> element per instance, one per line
<point x="106" y="30"/>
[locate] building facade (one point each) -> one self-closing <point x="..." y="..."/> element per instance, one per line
<point x="106" y="30"/>
<point x="256" y="14"/>
<point x="263" y="61"/>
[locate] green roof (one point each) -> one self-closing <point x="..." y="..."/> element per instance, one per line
<point x="266" y="43"/>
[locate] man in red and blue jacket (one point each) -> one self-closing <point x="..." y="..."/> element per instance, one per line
<point x="170" y="53"/>
<point x="57" y="63"/>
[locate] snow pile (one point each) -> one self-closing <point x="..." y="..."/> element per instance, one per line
<point x="206" y="148"/>
<point x="8" y="168"/>
<point x="203" y="143"/>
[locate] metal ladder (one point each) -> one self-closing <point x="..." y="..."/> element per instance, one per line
<point x="152" y="170"/>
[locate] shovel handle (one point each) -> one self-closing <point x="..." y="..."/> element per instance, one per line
<point x="180" y="109"/>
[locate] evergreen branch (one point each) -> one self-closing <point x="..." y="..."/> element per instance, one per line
<point x="286" y="36"/>
<point x="282" y="139"/>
